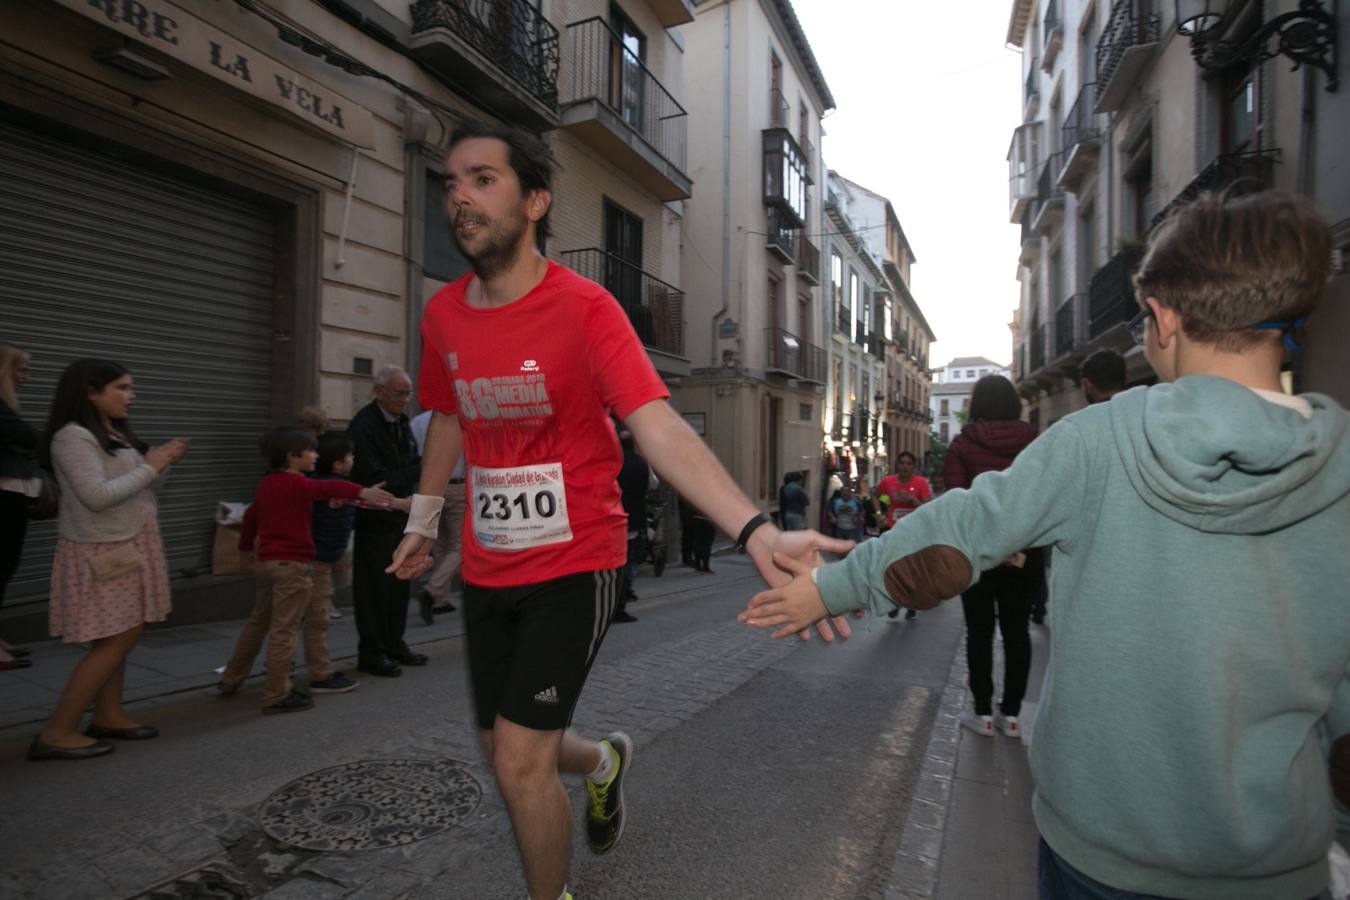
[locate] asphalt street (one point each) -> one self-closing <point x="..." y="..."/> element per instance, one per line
<point x="763" y="769"/>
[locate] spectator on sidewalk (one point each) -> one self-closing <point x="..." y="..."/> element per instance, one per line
<point x="635" y="480"/>
<point x="792" y="502"/>
<point x="109" y="575"/>
<point x="333" y="523"/>
<point x="847" y="514"/>
<point x="385" y="454"/>
<point x="279" y="529"/>
<point x="20" y="482"/>
<point x="446" y="553"/>
<point x="1102" y="376"/>
<point x="1200" y="633"/>
<point x="989" y="442"/>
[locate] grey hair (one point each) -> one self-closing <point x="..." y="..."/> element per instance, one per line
<point x="388" y="373"/>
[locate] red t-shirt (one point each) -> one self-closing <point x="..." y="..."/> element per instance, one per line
<point x="279" y="520"/>
<point x="532" y="384"/>
<point x="905" y="496"/>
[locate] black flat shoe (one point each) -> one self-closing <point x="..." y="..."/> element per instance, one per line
<point x="8" y="664"/>
<point x="383" y="669"/>
<point x="136" y="733"/>
<point x="20" y="652"/>
<point x="410" y="659"/>
<point x="40" y="751"/>
<point x="444" y="608"/>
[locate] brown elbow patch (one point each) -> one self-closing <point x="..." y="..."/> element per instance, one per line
<point x="1340" y="769"/>
<point x="923" y="580"/>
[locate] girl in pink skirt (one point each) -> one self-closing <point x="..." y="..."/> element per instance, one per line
<point x="109" y="576"/>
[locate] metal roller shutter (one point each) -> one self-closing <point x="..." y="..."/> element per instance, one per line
<point x="101" y="256"/>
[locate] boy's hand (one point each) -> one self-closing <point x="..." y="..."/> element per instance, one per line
<point x="791" y="608"/>
<point x="377" y="496"/>
<point x="412" y="558"/>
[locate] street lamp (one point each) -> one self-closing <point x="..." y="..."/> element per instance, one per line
<point x="1306" y="35"/>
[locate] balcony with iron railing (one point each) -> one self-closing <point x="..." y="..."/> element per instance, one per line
<point x="1048" y="211"/>
<point x="613" y="103"/>
<point x="1081" y="140"/>
<point x="1031" y="244"/>
<point x="781" y="237"/>
<point x="843" y="321"/>
<point x="785" y="174"/>
<point x="1237" y="173"/>
<point x="1031" y="92"/>
<point x="1111" y="292"/>
<point x="1123" y="52"/>
<point x="1037" y="351"/>
<point x="1067" y="344"/>
<point x="1023" y="152"/>
<point x="790" y="355"/>
<point x="859" y="333"/>
<point x="873" y="344"/>
<point x="655" y="308"/>
<point x="503" y="53"/>
<point x="808" y="259"/>
<point x="1052" y="34"/>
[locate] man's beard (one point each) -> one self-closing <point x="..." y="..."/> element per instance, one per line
<point x="499" y="246"/>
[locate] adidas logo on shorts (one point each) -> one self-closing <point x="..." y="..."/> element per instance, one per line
<point x="547" y="695"/>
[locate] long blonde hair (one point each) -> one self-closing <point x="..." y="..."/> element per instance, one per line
<point x="11" y="358"/>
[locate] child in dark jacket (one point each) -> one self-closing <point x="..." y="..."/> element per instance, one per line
<point x="278" y="527"/>
<point x="333" y="519"/>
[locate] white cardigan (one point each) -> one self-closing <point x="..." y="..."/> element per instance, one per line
<point x="103" y="497"/>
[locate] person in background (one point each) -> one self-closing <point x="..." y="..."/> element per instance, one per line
<point x="109" y="574"/>
<point x="1102" y="376"/>
<point x="989" y="442"/>
<point x="792" y="502"/>
<point x="385" y="454"/>
<point x="901" y="493"/>
<point x="20" y="483"/>
<point x="314" y="419"/>
<point x="278" y="527"/>
<point x="333" y="524"/>
<point x="847" y="513"/>
<point x="434" y="597"/>
<point x="635" y="480"/>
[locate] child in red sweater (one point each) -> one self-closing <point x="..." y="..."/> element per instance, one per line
<point x="278" y="527"/>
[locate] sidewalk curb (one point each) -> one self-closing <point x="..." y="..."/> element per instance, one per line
<point x="914" y="873"/>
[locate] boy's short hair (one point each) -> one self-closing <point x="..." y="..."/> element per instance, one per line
<point x="333" y="449"/>
<point x="280" y="444"/>
<point x="1225" y="263"/>
<point x="1105" y="369"/>
<point x="905" y="453"/>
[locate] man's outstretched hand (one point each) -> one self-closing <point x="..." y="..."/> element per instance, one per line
<point x="779" y="555"/>
<point x="792" y="608"/>
<point x="412" y="558"/>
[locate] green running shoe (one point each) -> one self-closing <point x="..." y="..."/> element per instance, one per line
<point x="604" y="818"/>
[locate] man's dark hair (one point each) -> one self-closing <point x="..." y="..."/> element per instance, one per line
<point x="280" y="444"/>
<point x="333" y="448"/>
<point x="995" y="399"/>
<point x="905" y="453"/>
<point x="1105" y="369"/>
<point x="528" y="156"/>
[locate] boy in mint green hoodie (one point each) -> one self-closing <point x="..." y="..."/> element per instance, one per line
<point x="1200" y="630"/>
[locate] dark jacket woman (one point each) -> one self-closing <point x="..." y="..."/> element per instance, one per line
<point x="984" y="447"/>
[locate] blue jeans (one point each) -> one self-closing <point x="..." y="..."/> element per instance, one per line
<point x="1061" y="881"/>
<point x="794" y="521"/>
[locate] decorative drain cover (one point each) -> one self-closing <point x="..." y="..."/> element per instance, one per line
<point x="371" y="804"/>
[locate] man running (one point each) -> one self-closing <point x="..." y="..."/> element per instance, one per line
<point x="901" y="493"/>
<point x="523" y="361"/>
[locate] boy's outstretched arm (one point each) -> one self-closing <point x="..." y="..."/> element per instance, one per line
<point x="940" y="549"/>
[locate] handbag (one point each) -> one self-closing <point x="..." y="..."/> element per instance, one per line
<point x="121" y="560"/>
<point x="47" y="502"/>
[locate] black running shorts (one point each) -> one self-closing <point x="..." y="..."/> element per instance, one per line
<point x="531" y="647"/>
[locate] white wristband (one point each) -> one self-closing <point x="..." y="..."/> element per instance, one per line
<point x="425" y="515"/>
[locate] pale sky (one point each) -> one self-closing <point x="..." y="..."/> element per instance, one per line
<point x="928" y="97"/>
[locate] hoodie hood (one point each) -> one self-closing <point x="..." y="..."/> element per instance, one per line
<point x="1002" y="438"/>
<point x="1213" y="455"/>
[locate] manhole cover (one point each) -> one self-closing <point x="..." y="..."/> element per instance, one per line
<point x="371" y="804"/>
